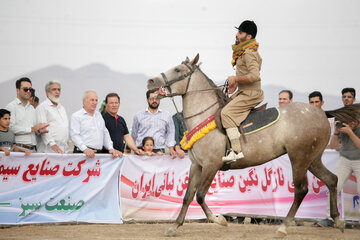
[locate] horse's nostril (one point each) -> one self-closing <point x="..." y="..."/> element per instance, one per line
<point x="151" y="81"/>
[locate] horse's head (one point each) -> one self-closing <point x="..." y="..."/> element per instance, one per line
<point x="176" y="80"/>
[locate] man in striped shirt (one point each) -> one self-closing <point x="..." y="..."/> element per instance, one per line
<point x="156" y="123"/>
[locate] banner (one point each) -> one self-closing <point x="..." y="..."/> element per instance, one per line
<point x="59" y="188"/>
<point x="152" y="188"/>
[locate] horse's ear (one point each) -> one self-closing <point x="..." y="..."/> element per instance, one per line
<point x="187" y="60"/>
<point x="195" y="60"/>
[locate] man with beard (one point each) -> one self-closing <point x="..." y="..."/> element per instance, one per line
<point x="23" y="117"/>
<point x="347" y="135"/>
<point x="52" y="112"/>
<point x="156" y="123"/>
<point x="247" y="79"/>
<point x="348" y="96"/>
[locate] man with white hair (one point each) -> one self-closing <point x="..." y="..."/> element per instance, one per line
<point x="88" y="131"/>
<point x="52" y="112"/>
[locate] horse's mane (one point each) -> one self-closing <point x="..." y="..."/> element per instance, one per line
<point x="345" y="114"/>
<point x="222" y="99"/>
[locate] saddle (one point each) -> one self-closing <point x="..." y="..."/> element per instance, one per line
<point x="258" y="119"/>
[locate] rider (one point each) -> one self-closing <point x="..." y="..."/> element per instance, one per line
<point x="248" y="64"/>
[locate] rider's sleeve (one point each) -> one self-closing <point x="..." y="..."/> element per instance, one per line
<point x="253" y="63"/>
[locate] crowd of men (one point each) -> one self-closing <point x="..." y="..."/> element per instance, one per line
<point x="47" y="128"/>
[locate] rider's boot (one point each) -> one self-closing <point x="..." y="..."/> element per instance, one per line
<point x="235" y="151"/>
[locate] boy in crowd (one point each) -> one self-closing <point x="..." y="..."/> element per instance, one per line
<point x="7" y="138"/>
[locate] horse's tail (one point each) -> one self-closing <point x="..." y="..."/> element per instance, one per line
<point x="346" y="114"/>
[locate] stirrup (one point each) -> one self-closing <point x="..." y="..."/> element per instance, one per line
<point x="232" y="156"/>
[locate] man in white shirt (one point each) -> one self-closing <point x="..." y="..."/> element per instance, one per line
<point x="88" y="131"/>
<point x="23" y="117"/>
<point x="52" y="112"/>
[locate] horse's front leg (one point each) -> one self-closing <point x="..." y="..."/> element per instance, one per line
<point x="194" y="180"/>
<point x="207" y="176"/>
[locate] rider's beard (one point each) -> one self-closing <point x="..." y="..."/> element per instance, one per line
<point x="240" y="40"/>
<point x="53" y="98"/>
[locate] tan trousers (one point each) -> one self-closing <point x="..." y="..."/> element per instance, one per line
<point x="344" y="168"/>
<point x="239" y="107"/>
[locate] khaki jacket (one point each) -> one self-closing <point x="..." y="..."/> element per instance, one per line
<point x="249" y="65"/>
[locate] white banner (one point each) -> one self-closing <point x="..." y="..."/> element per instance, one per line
<point x="152" y="188"/>
<point x="64" y="188"/>
<point x="59" y="188"/>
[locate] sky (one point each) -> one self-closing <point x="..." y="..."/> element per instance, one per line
<point x="306" y="45"/>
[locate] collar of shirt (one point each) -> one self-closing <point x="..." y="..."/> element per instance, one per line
<point x="19" y="102"/>
<point x="83" y="111"/>
<point x="109" y="115"/>
<point x="158" y="110"/>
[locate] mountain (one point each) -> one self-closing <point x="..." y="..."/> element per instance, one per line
<point x="130" y="87"/>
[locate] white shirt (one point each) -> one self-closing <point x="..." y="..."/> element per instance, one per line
<point x="159" y="126"/>
<point x="22" y="119"/>
<point x="89" y="131"/>
<point x="58" y="134"/>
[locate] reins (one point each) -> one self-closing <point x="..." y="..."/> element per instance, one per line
<point x="168" y="83"/>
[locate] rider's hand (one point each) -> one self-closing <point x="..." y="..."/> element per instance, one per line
<point x="232" y="84"/>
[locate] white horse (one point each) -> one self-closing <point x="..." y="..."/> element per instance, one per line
<point x="302" y="132"/>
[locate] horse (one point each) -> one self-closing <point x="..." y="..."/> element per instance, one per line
<point x="303" y="132"/>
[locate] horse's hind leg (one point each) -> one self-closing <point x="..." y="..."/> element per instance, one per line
<point x="320" y="171"/>
<point x="194" y="180"/>
<point x="301" y="189"/>
<point x="207" y="176"/>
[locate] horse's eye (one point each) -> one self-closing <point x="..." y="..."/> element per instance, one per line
<point x="177" y="70"/>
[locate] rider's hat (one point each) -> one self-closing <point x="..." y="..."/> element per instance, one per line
<point x="249" y="27"/>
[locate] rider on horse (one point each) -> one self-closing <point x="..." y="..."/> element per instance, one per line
<point x="248" y="64"/>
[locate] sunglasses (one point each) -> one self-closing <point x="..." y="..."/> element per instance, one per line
<point x="345" y="96"/>
<point x="26" y="89"/>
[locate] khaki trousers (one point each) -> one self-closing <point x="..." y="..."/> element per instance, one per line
<point x="344" y="168"/>
<point x="239" y="107"/>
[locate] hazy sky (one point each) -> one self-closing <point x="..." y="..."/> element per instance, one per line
<point x="305" y="45"/>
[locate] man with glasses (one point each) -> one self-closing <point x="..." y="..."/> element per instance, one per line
<point x="156" y="123"/>
<point x="348" y="136"/>
<point x="348" y="96"/>
<point x="23" y="117"/>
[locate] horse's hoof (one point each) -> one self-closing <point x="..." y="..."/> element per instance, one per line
<point x="281" y="232"/>
<point x="171" y="232"/>
<point x="340" y="224"/>
<point x="221" y="220"/>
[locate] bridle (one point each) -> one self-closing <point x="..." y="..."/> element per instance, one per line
<point x="171" y="82"/>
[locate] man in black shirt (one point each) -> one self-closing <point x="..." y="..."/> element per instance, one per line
<point x="116" y="125"/>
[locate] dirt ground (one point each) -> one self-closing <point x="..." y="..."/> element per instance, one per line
<point x="192" y="230"/>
